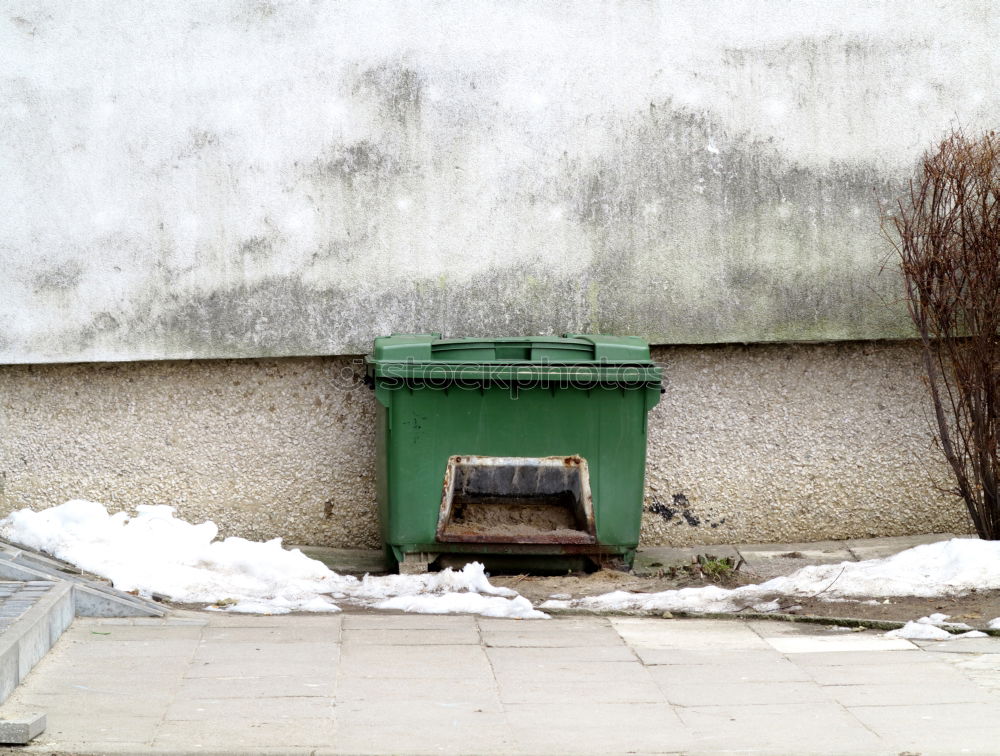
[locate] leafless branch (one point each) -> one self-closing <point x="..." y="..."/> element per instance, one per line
<point x="947" y="238"/>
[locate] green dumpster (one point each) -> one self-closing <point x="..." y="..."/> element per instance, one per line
<point x="528" y="452"/>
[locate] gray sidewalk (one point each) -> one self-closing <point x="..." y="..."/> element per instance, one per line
<point x="200" y="682"/>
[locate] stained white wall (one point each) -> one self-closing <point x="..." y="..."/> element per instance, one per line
<point x="188" y="179"/>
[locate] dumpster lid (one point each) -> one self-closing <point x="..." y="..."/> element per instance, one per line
<point x="570" y="349"/>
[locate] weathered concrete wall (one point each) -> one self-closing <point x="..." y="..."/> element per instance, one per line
<point x="255" y="178"/>
<point x="749" y="444"/>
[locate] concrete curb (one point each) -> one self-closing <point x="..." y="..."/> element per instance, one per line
<point x="28" y="639"/>
<point x="808" y="619"/>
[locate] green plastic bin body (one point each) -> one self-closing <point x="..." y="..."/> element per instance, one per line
<point x="578" y="395"/>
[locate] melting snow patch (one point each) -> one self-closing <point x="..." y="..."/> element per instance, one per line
<point x="933" y="628"/>
<point x="919" y="631"/>
<point x="156" y="552"/>
<point x="994" y="624"/>
<point x="936" y="569"/>
<point x="710" y="598"/>
<point x="464" y="603"/>
<point x="941" y="620"/>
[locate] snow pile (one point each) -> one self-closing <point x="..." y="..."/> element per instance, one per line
<point x="941" y="620"/>
<point x="919" y="631"/>
<point x="710" y="598"/>
<point x="154" y="552"/>
<point x="935" y="569"/>
<point x="467" y="591"/>
<point x="994" y="624"/>
<point x="934" y="628"/>
<point x="464" y="603"/>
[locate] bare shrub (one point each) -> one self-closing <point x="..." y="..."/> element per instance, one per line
<point x="948" y="241"/>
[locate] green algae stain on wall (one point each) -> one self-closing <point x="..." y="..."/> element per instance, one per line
<point x="668" y="172"/>
<point x="703" y="237"/>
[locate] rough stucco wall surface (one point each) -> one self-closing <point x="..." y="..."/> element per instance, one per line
<point x="748" y="444"/>
<point x="263" y="448"/>
<point x="794" y="443"/>
<point x="248" y="178"/>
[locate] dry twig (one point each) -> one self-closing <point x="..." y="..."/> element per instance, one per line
<point x="947" y="236"/>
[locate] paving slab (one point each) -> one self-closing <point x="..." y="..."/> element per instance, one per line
<point x="260" y="709"/>
<point x="420" y="727"/>
<point x="253" y="685"/>
<point x="919" y="673"/>
<point x="738" y="670"/>
<point x="107" y="682"/>
<point x="83" y="646"/>
<point x="325" y="620"/>
<point x="230" y="734"/>
<point x="687" y="634"/>
<point x="530" y="656"/>
<point x="583" y="685"/>
<point x="890" y="657"/>
<point x="439" y="636"/>
<point x="573" y="637"/>
<point x="181" y="619"/>
<point x="481" y="691"/>
<point x="706" y="656"/>
<point x="608" y="727"/>
<point x="390" y="662"/>
<point x="816" y="644"/>
<point x="568" y="683"/>
<point x="97" y="703"/>
<point x="311" y="633"/>
<point x="735" y="693"/>
<point x="268" y="665"/>
<point x="382" y="621"/>
<point x="943" y="728"/>
<point x="894" y="693"/>
<point x="112" y="633"/>
<point x="782" y="728"/>
<point x="983" y="669"/>
<point x="69" y="726"/>
<point x="542" y="627"/>
<point x="252" y="653"/>
<point x="961" y="646"/>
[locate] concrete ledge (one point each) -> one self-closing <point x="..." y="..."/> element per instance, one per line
<point x="21" y="730"/>
<point x="652" y="558"/>
<point x="90" y="601"/>
<point x="91" y="598"/>
<point x="28" y="639"/>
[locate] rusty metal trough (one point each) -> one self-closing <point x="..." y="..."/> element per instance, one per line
<point x="516" y="500"/>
